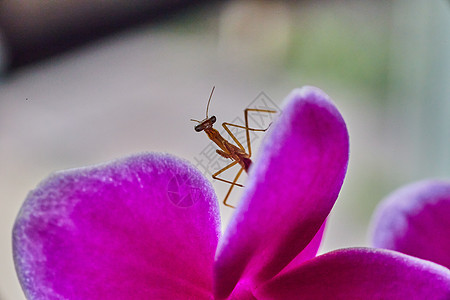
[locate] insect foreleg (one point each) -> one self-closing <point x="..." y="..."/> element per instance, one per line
<point x="223" y="154"/>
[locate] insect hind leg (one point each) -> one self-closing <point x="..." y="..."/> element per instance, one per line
<point x="231" y="188"/>
<point x="223" y="170"/>
<point x="232" y="183"/>
<point x="246" y="127"/>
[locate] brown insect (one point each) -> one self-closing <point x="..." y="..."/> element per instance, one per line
<point x="237" y="154"/>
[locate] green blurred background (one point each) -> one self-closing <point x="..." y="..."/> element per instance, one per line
<point x="75" y="92"/>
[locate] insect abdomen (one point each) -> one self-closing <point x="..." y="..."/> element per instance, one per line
<point x="246" y="163"/>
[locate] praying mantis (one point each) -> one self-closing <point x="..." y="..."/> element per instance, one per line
<point x="237" y="152"/>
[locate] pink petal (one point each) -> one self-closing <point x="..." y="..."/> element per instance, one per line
<point x="416" y="220"/>
<point x="292" y="187"/>
<point x="143" y="227"/>
<point x="361" y="274"/>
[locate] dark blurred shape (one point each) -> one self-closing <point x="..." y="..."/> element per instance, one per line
<point x="37" y="29"/>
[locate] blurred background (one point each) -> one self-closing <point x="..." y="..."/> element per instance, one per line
<point x="84" y="82"/>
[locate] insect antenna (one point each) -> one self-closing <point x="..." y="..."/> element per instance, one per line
<point x="209" y="100"/>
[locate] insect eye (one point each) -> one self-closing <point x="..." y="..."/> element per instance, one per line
<point x="213" y="119"/>
<point x="199" y="127"/>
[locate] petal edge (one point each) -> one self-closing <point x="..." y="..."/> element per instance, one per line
<point x="361" y="273"/>
<point x="115" y="231"/>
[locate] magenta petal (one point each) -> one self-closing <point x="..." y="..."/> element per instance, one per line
<point x="309" y="252"/>
<point x="361" y="273"/>
<point x="143" y="227"/>
<point x="416" y="220"/>
<point x="292" y="187"/>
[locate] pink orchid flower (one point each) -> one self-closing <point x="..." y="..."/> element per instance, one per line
<point x="147" y="227"/>
<point x="415" y="220"/>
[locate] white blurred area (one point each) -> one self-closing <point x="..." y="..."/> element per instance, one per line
<point x="255" y="34"/>
<point x="136" y="91"/>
